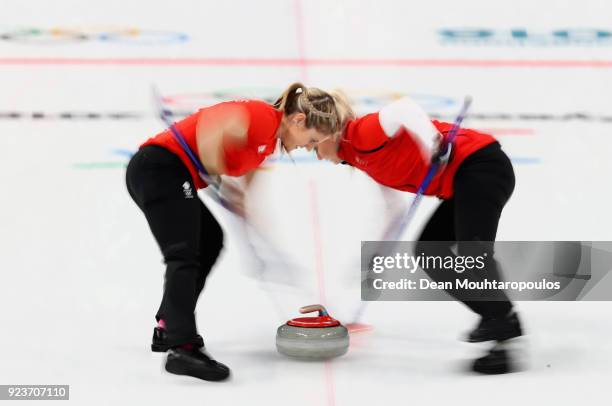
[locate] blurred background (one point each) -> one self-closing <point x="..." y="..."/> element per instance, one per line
<point x="82" y="276"/>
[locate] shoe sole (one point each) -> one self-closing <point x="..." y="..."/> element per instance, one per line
<point x="492" y="370"/>
<point x="502" y="337"/>
<point x="174" y="368"/>
<point x="494" y="363"/>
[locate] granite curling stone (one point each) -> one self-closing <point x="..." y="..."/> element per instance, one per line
<point x="320" y="337"/>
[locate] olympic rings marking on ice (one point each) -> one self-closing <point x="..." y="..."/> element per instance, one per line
<point x="129" y="36"/>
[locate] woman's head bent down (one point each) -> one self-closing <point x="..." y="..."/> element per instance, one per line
<point x="311" y="116"/>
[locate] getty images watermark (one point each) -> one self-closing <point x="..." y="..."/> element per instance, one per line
<point x="472" y="270"/>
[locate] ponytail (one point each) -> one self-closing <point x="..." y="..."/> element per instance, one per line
<point x="326" y="112"/>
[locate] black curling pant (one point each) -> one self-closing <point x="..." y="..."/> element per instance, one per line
<point x="482" y="186"/>
<point x="189" y="236"/>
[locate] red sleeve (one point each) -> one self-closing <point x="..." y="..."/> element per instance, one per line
<point x="368" y="134"/>
<point x="442" y="126"/>
<point x="264" y="121"/>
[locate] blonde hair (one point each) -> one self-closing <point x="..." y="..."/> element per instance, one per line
<point x="326" y="112"/>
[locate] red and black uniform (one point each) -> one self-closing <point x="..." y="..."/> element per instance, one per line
<point x="475" y="185"/>
<point x="264" y="121"/>
<point x="399" y="161"/>
<point x="163" y="182"/>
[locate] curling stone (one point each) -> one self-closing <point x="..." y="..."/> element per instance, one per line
<point x="318" y="337"/>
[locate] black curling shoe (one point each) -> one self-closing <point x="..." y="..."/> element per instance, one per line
<point x="194" y="362"/>
<point x="160" y="340"/>
<point x="496" y="361"/>
<point x="500" y="329"/>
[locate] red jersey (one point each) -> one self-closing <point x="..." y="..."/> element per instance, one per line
<point x="400" y="161"/>
<point x="264" y="121"/>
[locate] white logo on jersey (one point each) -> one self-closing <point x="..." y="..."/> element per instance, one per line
<point x="261" y="149"/>
<point x="187" y="190"/>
